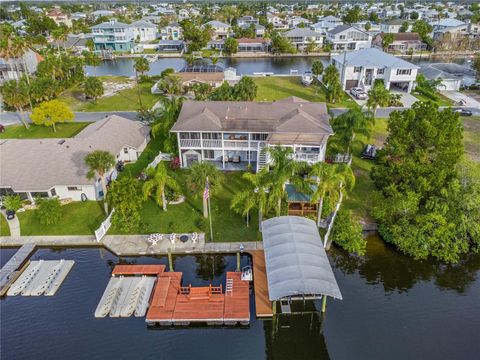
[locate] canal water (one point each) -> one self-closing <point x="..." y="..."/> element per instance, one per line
<point x="244" y="66"/>
<point x="393" y="308"/>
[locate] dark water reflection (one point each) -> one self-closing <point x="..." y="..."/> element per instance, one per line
<point x="393" y="308"/>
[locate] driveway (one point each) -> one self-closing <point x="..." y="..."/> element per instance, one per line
<point x="458" y="96"/>
<point x="407" y="99"/>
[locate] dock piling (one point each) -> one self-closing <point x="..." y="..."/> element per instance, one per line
<point x="324" y="303"/>
<point x="170" y="260"/>
<point x="238" y="261"/>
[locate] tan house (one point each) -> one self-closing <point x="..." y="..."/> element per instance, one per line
<point x="233" y="135"/>
<point x="59" y="17"/>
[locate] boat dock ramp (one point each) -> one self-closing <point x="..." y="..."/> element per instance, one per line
<point x="41" y="277"/>
<point x="12" y="269"/>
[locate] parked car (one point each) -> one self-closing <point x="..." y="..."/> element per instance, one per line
<point x="463" y="112"/>
<point x="10" y="214"/>
<point x="358" y="93"/>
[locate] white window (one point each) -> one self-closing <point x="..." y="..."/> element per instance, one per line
<point x="404" y="71"/>
<point x="357" y="69"/>
<point x="380" y="71"/>
<point x="125" y="150"/>
<point x="74" y="188"/>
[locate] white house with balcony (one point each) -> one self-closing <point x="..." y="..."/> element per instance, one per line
<point x="220" y="29"/>
<point x="113" y="35"/>
<point x="348" y="38"/>
<point x="326" y="23"/>
<point x="233" y="135"/>
<point x="362" y="67"/>
<point x="144" y="30"/>
<point x="302" y="37"/>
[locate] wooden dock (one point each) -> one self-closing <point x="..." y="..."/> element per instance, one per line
<point x="263" y="305"/>
<point x="11" y="270"/>
<point x="173" y="304"/>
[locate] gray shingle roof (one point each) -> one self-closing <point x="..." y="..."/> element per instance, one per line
<point x="341" y="28"/>
<point x="40" y="164"/>
<point x="373" y="57"/>
<point x="295" y="259"/>
<point x="143" y="24"/>
<point x="301" y="32"/>
<point x="111" y="25"/>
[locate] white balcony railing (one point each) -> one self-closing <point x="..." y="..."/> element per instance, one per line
<point x="236" y="144"/>
<point x="190" y="143"/>
<point x="216" y="143"/>
<point x="212" y="143"/>
<point x="307" y="157"/>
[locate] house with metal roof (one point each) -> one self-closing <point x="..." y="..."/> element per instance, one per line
<point x="220" y="29"/>
<point x="402" y="42"/>
<point x="362" y="67"/>
<point x="144" y="30"/>
<point x="348" y="38"/>
<point x="114" y="36"/>
<point x="233" y="135"/>
<point x="302" y="37"/>
<point x="325" y="24"/>
<point x="55" y="167"/>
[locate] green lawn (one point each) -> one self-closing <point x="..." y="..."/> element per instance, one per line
<point x="64" y="130"/>
<point x="471" y="136"/>
<point x="441" y="101"/>
<point x="146" y="157"/>
<point x="78" y="218"/>
<point x="4" y="228"/>
<point x="187" y="216"/>
<point x="125" y="100"/>
<point x="360" y="200"/>
<point x="272" y="88"/>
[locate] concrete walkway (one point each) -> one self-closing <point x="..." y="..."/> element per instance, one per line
<point x="456" y="96"/>
<point x="13" y="224"/>
<point x="133" y="245"/>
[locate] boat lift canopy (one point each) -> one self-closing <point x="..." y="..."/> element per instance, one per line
<point x="296" y="262"/>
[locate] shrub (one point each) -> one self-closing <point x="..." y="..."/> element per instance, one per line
<point x="12" y="202"/>
<point x="348" y="233"/>
<point x="49" y="211"/>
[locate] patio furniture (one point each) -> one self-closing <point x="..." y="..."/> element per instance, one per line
<point x="194" y="237"/>
<point x="172" y="238"/>
<point x="154" y="238"/>
<point x="236" y="159"/>
<point x="184" y="238"/>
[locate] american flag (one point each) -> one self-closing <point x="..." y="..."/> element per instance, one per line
<point x="206" y="192"/>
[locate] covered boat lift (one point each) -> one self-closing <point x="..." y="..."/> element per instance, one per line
<point x="297" y="266"/>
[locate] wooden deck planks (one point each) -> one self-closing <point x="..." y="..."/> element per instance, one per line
<point x="163" y="310"/>
<point x="237" y="302"/>
<point x="263" y="305"/>
<point x="138" y="270"/>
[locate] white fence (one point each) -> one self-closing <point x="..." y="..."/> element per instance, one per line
<point x="104" y="226"/>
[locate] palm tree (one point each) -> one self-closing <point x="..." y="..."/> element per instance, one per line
<point x="350" y="123"/>
<point x="284" y="168"/>
<point x="329" y="178"/>
<point x="99" y="163"/>
<point x="378" y="96"/>
<point x="158" y="180"/>
<point x="165" y="116"/>
<point x="15" y="94"/>
<point x="197" y="178"/>
<point x="141" y="66"/>
<point x="255" y="195"/>
<point x="171" y="85"/>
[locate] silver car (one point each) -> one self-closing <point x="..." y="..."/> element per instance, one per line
<point x="358" y="93"/>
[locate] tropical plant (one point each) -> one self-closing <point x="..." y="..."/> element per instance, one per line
<point x="170" y="84"/>
<point x="378" y="96"/>
<point x="201" y="91"/>
<point x="231" y="46"/>
<point x="387" y="40"/>
<point x="197" y="179"/>
<point x="141" y="66"/>
<point x="404" y="27"/>
<point x="43" y="89"/>
<point x="125" y="196"/>
<point x="164" y="118"/>
<point x="329" y="179"/>
<point x="350" y="123"/>
<point x="92" y="59"/>
<point x="93" y="88"/>
<point x="331" y="79"/>
<point x="49" y="210"/>
<point x="158" y="180"/>
<point x="52" y="112"/>
<point x="347" y="233"/>
<point x="15" y="95"/>
<point x="317" y="68"/>
<point x="99" y="162"/>
<point x="12" y="202"/>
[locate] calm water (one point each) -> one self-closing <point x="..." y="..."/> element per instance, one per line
<point x="280" y="65"/>
<point x="393" y="308"/>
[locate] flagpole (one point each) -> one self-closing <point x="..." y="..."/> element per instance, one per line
<point x="210" y="218"/>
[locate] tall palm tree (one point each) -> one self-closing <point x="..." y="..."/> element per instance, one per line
<point x="164" y="118"/>
<point x="141" y="66"/>
<point x="254" y="196"/>
<point x="350" y="123"/>
<point x="99" y="163"/>
<point x="284" y="168"/>
<point x="197" y="178"/>
<point x="15" y="94"/>
<point x="329" y="178"/>
<point x="378" y="96"/>
<point x="159" y="180"/>
<point x="171" y="85"/>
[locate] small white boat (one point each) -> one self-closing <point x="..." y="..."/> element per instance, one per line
<point x="307" y="78"/>
<point x="247" y="273"/>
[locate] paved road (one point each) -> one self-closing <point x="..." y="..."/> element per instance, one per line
<point x="385" y="112"/>
<point x="11" y="117"/>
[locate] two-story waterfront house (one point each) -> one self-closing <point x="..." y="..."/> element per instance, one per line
<point x="347" y="38"/>
<point x="220" y="29"/>
<point x="326" y="23"/>
<point x="234" y="134"/>
<point x="144" y="30"/>
<point x="172" y="31"/>
<point x="302" y="37"/>
<point x="113" y="35"/>
<point x="361" y="68"/>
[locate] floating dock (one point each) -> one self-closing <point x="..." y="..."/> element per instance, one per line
<point x="128" y="291"/>
<point x="12" y="269"/>
<point x="42" y="277"/>
<point x="263" y="305"/>
<point x="173" y="304"/>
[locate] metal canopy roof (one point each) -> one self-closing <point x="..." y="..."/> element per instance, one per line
<point x="295" y="259"/>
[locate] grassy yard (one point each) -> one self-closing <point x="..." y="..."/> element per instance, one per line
<point x="272" y="88"/>
<point x="441" y="100"/>
<point x="4" y="228"/>
<point x="146" y="157"/>
<point x="471" y="136"/>
<point x="64" y="130"/>
<point x="78" y="218"/>
<point x="124" y="100"/>
<point x="187" y="216"/>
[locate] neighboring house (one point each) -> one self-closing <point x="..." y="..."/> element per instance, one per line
<point x="78" y="16"/>
<point x="442" y="24"/>
<point x="246" y="21"/>
<point x="277" y="21"/>
<point x="13" y="69"/>
<point x="302" y="37"/>
<point x="59" y="17"/>
<point x="172" y="31"/>
<point x="183" y="14"/>
<point x="144" y="31"/>
<point x="55" y="167"/>
<point x="76" y="43"/>
<point x="102" y="13"/>
<point x="362" y="67"/>
<point x="326" y="23"/>
<point x="234" y="134"/>
<point x="402" y="43"/>
<point x="113" y="35"/>
<point x="347" y="38"/>
<point x="155" y="19"/>
<point x="450" y="82"/>
<point x="461" y="30"/>
<point x="392" y="26"/>
<point x="220" y="29"/>
<point x="293" y="22"/>
<point x="171" y="46"/>
<point x="259" y="29"/>
<point x="246" y="45"/>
